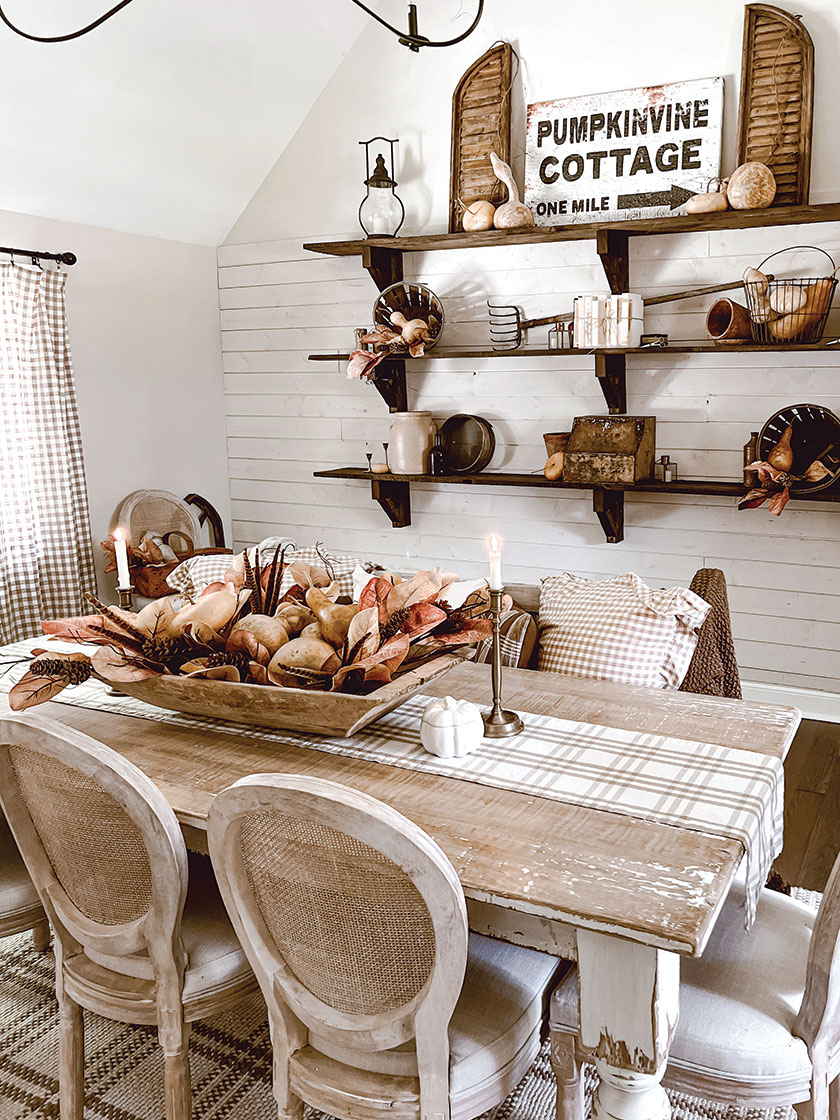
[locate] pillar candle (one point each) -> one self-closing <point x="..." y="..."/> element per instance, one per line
<point x="121" y="555"/>
<point x="495" y="564"/>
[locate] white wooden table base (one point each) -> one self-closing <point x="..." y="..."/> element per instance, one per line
<point x="629" y="1001"/>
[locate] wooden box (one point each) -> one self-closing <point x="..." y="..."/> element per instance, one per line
<point x="294" y="709"/>
<point x="604" y="449"/>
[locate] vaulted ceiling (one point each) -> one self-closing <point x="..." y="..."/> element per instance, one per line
<point x="165" y="120"/>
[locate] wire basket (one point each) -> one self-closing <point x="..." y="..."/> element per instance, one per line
<point x="787" y="311"/>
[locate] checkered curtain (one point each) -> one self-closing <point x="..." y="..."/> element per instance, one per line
<point x="46" y="558"/>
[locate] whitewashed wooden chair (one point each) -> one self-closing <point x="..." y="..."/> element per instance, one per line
<point x="134" y="941"/>
<point x="20" y="906"/>
<point x="759" y="1020"/>
<point x="355" y="924"/>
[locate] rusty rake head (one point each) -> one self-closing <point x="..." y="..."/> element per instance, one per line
<point x="506" y="331"/>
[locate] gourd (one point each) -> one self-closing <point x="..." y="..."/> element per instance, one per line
<point x="269" y="632"/>
<point x="451" y="728"/>
<point x="303" y="653"/>
<point x="513" y="213"/>
<point x="709" y="201"/>
<point x="815" y="306"/>
<point x="478" y="215"/>
<point x="554" y="467"/>
<point x="751" y="186"/>
<point x="788" y="298"/>
<point x="294" y="616"/>
<point x="756" y="285"/>
<point x="209" y="614"/>
<point x="333" y="618"/>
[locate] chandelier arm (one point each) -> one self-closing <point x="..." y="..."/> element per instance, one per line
<point x="418" y="40"/>
<point x="63" y="38"/>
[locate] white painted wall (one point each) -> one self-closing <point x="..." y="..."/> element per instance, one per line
<point x="287" y="417"/>
<point x="144" y="330"/>
<point x="164" y="120"/>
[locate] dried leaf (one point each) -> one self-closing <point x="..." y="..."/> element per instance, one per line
<point x="76" y="629"/>
<point x="420" y="588"/>
<point x="754" y="498"/>
<point x="243" y="641"/>
<point x="376" y="594"/>
<point x="115" y="664"/>
<point x="259" y="673"/>
<point x="34" y="689"/>
<point x="217" y="673"/>
<point x="817" y="471"/>
<point x="422" y="617"/>
<point x="391" y="654"/>
<point x="363" y="633"/>
<point x="778" y="502"/>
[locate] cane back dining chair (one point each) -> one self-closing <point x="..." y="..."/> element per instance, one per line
<point x="20" y="906"/>
<point x="135" y="940"/>
<point x="759" y="1018"/>
<point x="355" y="924"/>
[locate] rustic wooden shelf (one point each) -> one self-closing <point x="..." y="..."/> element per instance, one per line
<point x="392" y="491"/>
<point x="546" y="352"/>
<point x="610" y="365"/>
<point x="588" y="231"/>
<point x="383" y="259"/>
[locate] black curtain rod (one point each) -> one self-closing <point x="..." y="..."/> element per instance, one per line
<point x="62" y="258"/>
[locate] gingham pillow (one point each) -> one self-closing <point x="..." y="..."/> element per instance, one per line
<point x="618" y="630"/>
<point x="341" y="564"/>
<point x="518" y="636"/>
<point x="196" y="572"/>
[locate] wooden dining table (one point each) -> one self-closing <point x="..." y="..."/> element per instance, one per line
<point x="623" y="896"/>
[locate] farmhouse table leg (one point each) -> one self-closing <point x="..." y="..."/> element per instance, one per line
<point x="629" y="999"/>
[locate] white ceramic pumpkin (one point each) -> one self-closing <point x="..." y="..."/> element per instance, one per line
<point x="451" y="728"/>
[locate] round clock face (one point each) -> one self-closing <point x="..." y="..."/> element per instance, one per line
<point x="815" y="436"/>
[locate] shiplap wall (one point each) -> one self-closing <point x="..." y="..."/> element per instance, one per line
<point x="287" y="417"/>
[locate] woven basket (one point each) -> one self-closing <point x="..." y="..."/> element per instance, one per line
<point x="794" y="310"/>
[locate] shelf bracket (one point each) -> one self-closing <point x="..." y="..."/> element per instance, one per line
<point x="395" y="499"/>
<point x="389" y="381"/>
<point x="384" y="265"/>
<point x="609" y="506"/>
<point x="613" y="249"/>
<point x="611" y="371"/>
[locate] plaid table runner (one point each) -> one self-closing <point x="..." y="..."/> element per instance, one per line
<point x="705" y="787"/>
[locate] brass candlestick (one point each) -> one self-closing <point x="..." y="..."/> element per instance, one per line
<point x="126" y="602"/>
<point x="498" y="723"/>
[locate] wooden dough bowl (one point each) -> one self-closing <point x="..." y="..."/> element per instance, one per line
<point x="289" y="709"/>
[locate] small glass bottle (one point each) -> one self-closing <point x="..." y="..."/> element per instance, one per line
<point x="664" y="470"/>
<point x="437" y="464"/>
<point x="750" y="456"/>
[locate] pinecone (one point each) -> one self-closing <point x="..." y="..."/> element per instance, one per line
<point x="394" y="624"/>
<point x="164" y="650"/>
<point x="74" y="672"/>
<point x="241" y="661"/>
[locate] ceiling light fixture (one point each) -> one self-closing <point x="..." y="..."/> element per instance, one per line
<point x="412" y="38"/>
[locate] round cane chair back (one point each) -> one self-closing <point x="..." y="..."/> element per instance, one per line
<point x="159" y="511"/>
<point x="102" y="844"/>
<point x="346" y="908"/>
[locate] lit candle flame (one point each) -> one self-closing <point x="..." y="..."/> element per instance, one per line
<point x="494" y="544"/>
<point x="118" y="535"/>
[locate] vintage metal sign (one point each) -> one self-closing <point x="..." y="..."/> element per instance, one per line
<point x="634" y="153"/>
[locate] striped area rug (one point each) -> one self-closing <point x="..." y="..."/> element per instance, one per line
<point x="230" y="1058"/>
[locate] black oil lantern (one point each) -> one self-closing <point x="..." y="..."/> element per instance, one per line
<point x="382" y="212"/>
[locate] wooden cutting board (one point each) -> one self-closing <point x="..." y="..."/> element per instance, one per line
<point x="480" y="125"/>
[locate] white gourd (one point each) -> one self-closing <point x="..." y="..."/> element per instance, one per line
<point x="451" y="728"/>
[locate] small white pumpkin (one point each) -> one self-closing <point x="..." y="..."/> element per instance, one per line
<point x="451" y="728"/>
<point x="788" y="298"/>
